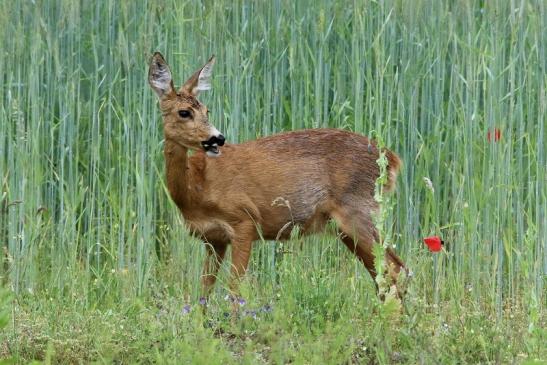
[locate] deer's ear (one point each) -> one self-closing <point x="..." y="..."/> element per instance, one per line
<point x="201" y="79"/>
<point x="159" y="75"/>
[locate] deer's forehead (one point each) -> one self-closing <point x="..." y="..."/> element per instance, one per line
<point x="182" y="101"/>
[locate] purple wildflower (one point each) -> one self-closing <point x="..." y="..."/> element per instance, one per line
<point x="186" y="309"/>
<point x="241" y="301"/>
<point x="267" y="308"/>
<point x="250" y="313"/>
<point x="203" y="301"/>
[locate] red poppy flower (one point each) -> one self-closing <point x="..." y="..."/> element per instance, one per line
<point x="434" y="243"/>
<point x="496" y="135"/>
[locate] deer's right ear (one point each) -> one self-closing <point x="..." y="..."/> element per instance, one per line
<point x="159" y="76"/>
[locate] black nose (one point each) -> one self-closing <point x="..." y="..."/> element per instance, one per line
<point x="214" y="142"/>
<point x="220" y="140"/>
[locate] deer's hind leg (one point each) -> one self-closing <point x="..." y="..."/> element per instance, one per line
<point x="361" y="250"/>
<point x="359" y="235"/>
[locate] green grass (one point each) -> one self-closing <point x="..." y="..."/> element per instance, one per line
<point x="95" y="254"/>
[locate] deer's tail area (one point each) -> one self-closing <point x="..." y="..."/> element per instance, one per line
<point x="393" y="167"/>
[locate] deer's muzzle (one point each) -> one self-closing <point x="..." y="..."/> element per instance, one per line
<point x="212" y="144"/>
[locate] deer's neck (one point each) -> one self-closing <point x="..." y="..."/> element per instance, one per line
<point x="176" y="163"/>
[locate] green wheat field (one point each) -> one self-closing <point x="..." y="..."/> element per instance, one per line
<point x="96" y="265"/>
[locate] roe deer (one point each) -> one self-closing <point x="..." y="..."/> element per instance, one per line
<point x="227" y="192"/>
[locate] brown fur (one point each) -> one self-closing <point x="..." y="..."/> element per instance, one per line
<point x="270" y="185"/>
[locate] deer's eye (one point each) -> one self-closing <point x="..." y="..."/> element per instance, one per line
<point x="185" y="113"/>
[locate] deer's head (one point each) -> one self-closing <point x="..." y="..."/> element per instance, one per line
<point x="185" y="119"/>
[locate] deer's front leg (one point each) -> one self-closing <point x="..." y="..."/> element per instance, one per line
<point x="214" y="257"/>
<point x="242" y="244"/>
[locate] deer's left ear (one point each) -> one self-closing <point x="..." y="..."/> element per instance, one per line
<point x="201" y="79"/>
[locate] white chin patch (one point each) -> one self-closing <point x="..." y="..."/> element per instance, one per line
<point x="213" y="154"/>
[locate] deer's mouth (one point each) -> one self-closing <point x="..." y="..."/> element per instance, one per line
<point x="211" y="146"/>
<point x="212" y="151"/>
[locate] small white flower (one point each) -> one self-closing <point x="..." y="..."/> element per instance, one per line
<point x="429" y="184"/>
<point x="410" y="274"/>
<point x="469" y="287"/>
<point x="445" y="326"/>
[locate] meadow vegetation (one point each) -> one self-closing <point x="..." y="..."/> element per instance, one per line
<point x="97" y="266"/>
